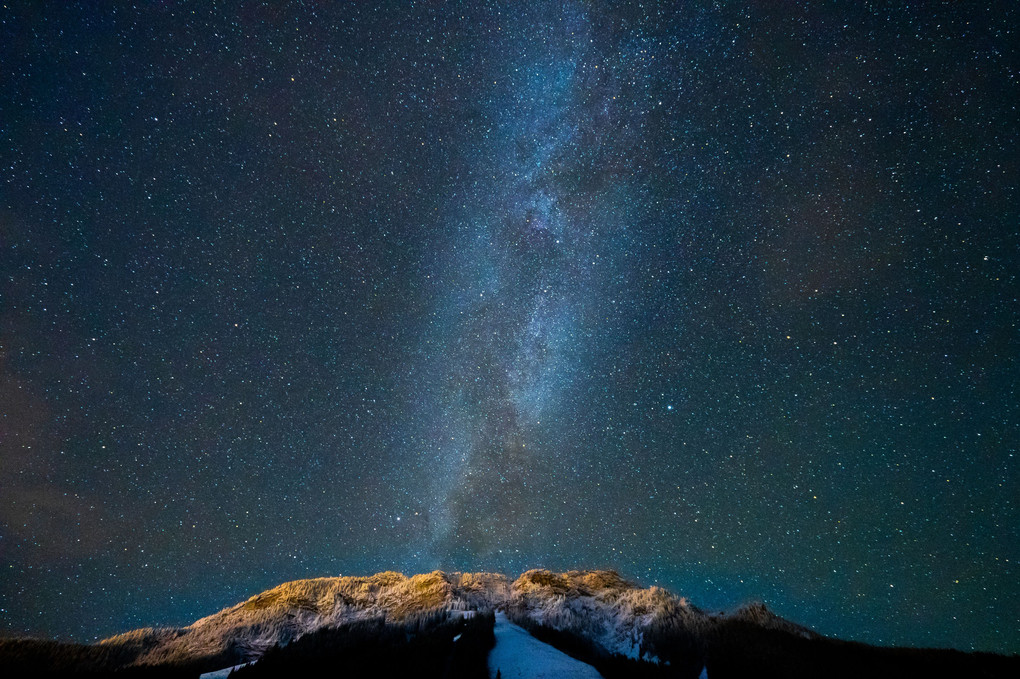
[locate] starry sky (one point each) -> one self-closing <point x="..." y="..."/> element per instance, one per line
<point x="717" y="295"/>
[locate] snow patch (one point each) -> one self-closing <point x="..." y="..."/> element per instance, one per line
<point x="518" y="655"/>
<point x="221" y="674"/>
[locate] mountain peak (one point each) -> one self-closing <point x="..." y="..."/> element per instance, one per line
<point x="568" y="600"/>
<point x="596" y="613"/>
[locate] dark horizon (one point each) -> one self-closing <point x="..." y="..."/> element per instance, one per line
<point x="718" y="297"/>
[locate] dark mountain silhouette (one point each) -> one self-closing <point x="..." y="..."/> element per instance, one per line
<point x="441" y="625"/>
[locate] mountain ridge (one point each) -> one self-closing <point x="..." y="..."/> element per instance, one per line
<point x="597" y="613"/>
<point x="291" y="609"/>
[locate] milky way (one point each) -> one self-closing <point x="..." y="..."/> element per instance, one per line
<point x="523" y="267"/>
<point x="721" y="297"/>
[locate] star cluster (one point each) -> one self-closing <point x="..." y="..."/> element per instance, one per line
<point x="723" y="297"/>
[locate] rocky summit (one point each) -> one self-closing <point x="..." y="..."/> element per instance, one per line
<point x="448" y="624"/>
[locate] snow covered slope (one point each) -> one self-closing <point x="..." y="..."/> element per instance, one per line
<point x="518" y="655"/>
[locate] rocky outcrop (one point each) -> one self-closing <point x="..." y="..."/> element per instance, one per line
<point x="599" y="605"/>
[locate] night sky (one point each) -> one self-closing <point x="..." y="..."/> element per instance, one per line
<point x="723" y="297"/>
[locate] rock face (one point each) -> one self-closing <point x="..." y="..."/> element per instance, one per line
<point x="599" y="605"/>
<point x="595" y="616"/>
<point x="602" y="607"/>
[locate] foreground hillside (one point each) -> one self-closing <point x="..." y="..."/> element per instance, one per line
<point x="437" y="621"/>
